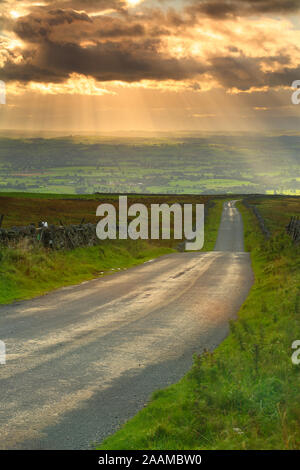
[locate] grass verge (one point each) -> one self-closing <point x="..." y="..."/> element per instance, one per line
<point x="244" y="395"/>
<point x="26" y="272"/>
<point x="212" y="224"/>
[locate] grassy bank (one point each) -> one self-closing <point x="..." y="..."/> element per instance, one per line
<point x="26" y="273"/>
<point x="246" y="394"/>
<point x="212" y="224"/>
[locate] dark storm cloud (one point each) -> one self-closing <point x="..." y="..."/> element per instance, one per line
<point x="221" y="9"/>
<point x="241" y="73"/>
<point x="60" y="16"/>
<point x="27" y="72"/>
<point x="244" y="73"/>
<point x="128" y="61"/>
<point x="88" y="5"/>
<point x="46" y="24"/>
<point x="36" y="26"/>
<point x="117" y="29"/>
<point x="96" y="4"/>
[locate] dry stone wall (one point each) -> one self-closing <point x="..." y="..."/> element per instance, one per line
<point x="56" y="237"/>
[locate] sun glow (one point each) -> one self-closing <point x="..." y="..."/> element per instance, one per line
<point x="133" y="3"/>
<point x="15" y="14"/>
<point x="76" y="85"/>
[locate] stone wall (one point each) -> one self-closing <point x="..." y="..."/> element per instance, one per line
<point x="56" y="237"/>
<point x="261" y="221"/>
<point x="61" y="237"/>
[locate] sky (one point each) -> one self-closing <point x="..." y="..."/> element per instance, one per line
<point x="149" y="65"/>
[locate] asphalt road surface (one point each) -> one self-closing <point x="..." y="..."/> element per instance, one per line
<point x="231" y="233"/>
<point x="83" y="360"/>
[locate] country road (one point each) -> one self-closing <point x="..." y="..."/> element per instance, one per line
<point x="84" y="359"/>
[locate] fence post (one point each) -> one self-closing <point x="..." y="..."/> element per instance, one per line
<point x="293" y="229"/>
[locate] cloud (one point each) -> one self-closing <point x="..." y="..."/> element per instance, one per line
<point x="105" y="61"/>
<point x="35" y="27"/>
<point x="244" y="73"/>
<point x="72" y="26"/>
<point x="233" y="8"/>
<point x="153" y="44"/>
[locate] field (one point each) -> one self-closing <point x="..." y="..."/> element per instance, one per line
<point x="27" y="272"/>
<point x="23" y="209"/>
<point x="277" y="212"/>
<point x="244" y="395"/>
<point x="205" y="164"/>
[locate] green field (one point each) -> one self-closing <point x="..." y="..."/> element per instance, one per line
<point x="277" y="211"/>
<point x="204" y="164"/>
